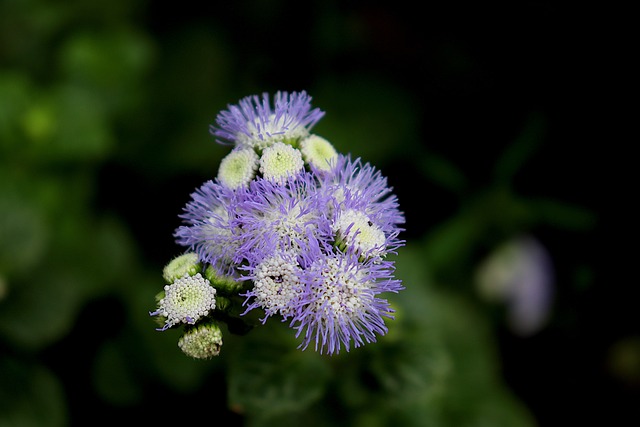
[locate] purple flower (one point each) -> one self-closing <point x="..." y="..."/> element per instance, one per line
<point x="210" y="229"/>
<point x="307" y="228"/>
<point x="340" y="305"/>
<point x="255" y="123"/>
<point x="276" y="217"/>
<point x="365" y="212"/>
<point x="519" y="273"/>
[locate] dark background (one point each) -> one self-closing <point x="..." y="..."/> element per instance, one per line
<point x="472" y="77"/>
<point x="476" y="73"/>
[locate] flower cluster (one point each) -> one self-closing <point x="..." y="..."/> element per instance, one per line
<point x="290" y="228"/>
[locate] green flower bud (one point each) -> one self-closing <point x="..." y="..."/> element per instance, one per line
<point x="280" y="161"/>
<point x="238" y="168"/>
<point x="179" y="266"/>
<point x="354" y="229"/>
<point x="318" y="152"/>
<point x="201" y="341"/>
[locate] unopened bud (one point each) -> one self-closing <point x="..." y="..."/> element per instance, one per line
<point x="280" y="161"/>
<point x="238" y="168"/>
<point x="202" y="341"/>
<point x="186" y="264"/>
<point x="318" y="152"/>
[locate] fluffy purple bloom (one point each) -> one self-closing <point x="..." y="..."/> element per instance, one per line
<point x="282" y="218"/>
<point x="254" y="122"/>
<point x="364" y="206"/>
<point x="210" y="229"/>
<point x="340" y="305"/>
<point x="277" y="285"/>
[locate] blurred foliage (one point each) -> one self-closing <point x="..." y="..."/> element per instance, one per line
<point x="104" y="117"/>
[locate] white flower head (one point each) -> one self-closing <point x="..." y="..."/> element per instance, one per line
<point x="186" y="301"/>
<point x="354" y="229"/>
<point x="276" y="285"/>
<point x="201" y="341"/>
<point x="280" y="161"/>
<point x="318" y="152"/>
<point x="238" y="168"/>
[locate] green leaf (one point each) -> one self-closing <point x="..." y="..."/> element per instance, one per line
<point x="516" y="154"/>
<point x="268" y="376"/>
<point x="112" y="376"/>
<point x="23" y="234"/>
<point x="443" y="172"/>
<point x="15" y="96"/>
<point x="41" y="310"/>
<point x="563" y="215"/>
<point x="68" y="123"/>
<point x="451" y="242"/>
<point x="30" y="396"/>
<point x="441" y="367"/>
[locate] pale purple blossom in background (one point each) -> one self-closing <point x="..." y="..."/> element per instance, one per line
<point x="519" y="274"/>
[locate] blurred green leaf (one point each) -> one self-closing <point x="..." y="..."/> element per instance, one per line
<point x="519" y="151"/>
<point x="77" y="128"/>
<point x="108" y="63"/>
<point x="30" y="395"/>
<point x="41" y="311"/>
<point x="456" y="370"/>
<point x="112" y="376"/>
<point x="15" y="96"/>
<point x="23" y="234"/>
<point x="562" y="215"/>
<point x="443" y="172"/>
<point x="268" y="376"/>
<point x="106" y="60"/>
<point x="452" y="242"/>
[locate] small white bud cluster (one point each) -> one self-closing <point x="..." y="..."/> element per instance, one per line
<point x="186" y="300"/>
<point x="279" y="161"/>
<point x="238" y="168"/>
<point x="339" y="293"/>
<point x="354" y="228"/>
<point x="318" y="152"/>
<point x="276" y="284"/>
<point x="202" y="341"/>
<point x="274" y="151"/>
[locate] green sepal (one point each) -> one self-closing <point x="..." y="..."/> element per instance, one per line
<point x="224" y="284"/>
